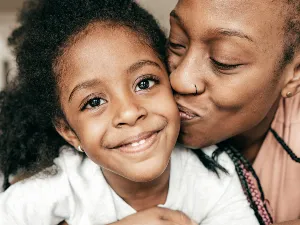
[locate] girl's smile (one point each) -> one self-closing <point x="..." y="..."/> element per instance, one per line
<point x="118" y="103"/>
<point x="139" y="143"/>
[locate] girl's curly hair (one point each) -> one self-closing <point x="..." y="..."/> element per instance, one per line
<point x="29" y="105"/>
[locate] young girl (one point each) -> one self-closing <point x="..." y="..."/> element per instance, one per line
<point x="94" y="70"/>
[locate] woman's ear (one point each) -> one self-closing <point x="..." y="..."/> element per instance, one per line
<point x="293" y="85"/>
<point x="64" y="129"/>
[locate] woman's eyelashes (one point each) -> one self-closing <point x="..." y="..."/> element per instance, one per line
<point x="176" y="48"/>
<point x="224" y="66"/>
<point x="146" y="82"/>
<point x="175" y="45"/>
<point x="179" y="50"/>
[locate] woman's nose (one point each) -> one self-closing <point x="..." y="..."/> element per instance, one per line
<point x="128" y="112"/>
<point x="186" y="79"/>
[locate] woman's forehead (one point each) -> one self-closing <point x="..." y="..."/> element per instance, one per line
<point x="260" y="21"/>
<point x="268" y="9"/>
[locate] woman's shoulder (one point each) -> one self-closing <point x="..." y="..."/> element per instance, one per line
<point x="288" y="112"/>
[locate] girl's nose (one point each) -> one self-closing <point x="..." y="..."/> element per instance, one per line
<point x="128" y="113"/>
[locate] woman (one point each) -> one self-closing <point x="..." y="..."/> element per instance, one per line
<point x="235" y="70"/>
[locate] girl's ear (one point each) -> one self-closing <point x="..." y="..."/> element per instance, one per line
<point x="293" y="85"/>
<point x="64" y="129"/>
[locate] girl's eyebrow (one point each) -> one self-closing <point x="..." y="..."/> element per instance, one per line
<point x="94" y="82"/>
<point x="88" y="83"/>
<point x="138" y="65"/>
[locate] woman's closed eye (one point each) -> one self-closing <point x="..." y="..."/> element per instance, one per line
<point x="93" y="103"/>
<point x="176" y="48"/>
<point x="175" y="45"/>
<point x="146" y="82"/>
<point x="224" y="66"/>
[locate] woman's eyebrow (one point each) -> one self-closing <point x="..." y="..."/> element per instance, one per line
<point x="232" y="33"/>
<point x="138" y="65"/>
<point x="221" y="31"/>
<point x="175" y="16"/>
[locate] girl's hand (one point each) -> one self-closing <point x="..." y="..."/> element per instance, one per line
<point x="156" y="216"/>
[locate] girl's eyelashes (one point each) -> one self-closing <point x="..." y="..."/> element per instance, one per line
<point x="143" y="83"/>
<point x="93" y="103"/>
<point x="223" y="66"/>
<point x="146" y="82"/>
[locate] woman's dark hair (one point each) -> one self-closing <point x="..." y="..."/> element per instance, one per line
<point x="29" y="105"/>
<point x="291" y="13"/>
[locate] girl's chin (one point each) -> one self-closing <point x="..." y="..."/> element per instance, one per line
<point x="144" y="174"/>
<point x="145" y="178"/>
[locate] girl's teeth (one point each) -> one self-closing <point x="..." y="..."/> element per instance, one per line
<point x="142" y="142"/>
<point x="138" y="143"/>
<point x="134" y="144"/>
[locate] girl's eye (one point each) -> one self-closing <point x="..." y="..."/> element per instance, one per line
<point x="223" y="66"/>
<point x="144" y="84"/>
<point x="93" y="103"/>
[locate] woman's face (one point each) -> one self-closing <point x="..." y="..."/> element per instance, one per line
<point x="224" y="58"/>
<point x="117" y="99"/>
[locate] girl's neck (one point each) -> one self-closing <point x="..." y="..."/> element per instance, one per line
<point x="140" y="195"/>
<point x="250" y="142"/>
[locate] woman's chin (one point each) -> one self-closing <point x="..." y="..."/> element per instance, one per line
<point x="192" y="142"/>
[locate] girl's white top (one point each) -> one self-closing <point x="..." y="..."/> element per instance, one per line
<point x="79" y="194"/>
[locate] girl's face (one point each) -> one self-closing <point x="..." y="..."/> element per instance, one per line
<point x="231" y="51"/>
<point x="116" y="96"/>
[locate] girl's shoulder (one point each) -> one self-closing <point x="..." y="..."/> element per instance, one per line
<point x="70" y="160"/>
<point x="218" y="195"/>
<point x="52" y="176"/>
<point x="190" y="159"/>
<point x="49" y="195"/>
<point x="34" y="199"/>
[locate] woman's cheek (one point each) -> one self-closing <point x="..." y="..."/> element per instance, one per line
<point x="173" y="61"/>
<point x="233" y="98"/>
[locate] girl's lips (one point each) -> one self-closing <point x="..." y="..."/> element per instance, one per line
<point x="140" y="145"/>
